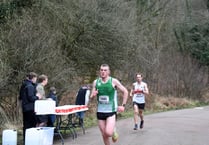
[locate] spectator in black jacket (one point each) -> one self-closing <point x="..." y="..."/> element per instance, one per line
<point x="82" y="98"/>
<point x="28" y="97"/>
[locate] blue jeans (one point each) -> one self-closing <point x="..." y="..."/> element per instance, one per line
<point x="80" y="114"/>
<point x="51" y="120"/>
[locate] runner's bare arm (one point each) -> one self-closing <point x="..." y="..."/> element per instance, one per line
<point x="146" y="90"/>
<point x="132" y="91"/>
<point x="94" y="92"/>
<point x="117" y="84"/>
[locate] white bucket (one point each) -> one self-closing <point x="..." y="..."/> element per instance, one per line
<point x="9" y="137"/>
<point x="39" y="136"/>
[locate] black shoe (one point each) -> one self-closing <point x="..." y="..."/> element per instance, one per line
<point x="135" y="127"/>
<point x="141" y="124"/>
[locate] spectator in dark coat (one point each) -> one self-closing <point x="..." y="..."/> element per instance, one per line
<point x="28" y="96"/>
<point x="82" y="98"/>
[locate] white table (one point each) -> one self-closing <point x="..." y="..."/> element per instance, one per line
<point x="69" y="111"/>
<point x="46" y="107"/>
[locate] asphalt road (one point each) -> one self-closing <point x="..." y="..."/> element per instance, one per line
<point x="180" y="127"/>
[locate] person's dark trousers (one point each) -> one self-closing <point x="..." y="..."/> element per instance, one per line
<point x="29" y="121"/>
<point x="81" y="117"/>
<point x="51" y="120"/>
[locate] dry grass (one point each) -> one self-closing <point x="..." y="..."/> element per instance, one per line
<point x="205" y="95"/>
<point x="170" y="102"/>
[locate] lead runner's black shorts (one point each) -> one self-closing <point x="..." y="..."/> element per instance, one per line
<point x="104" y="116"/>
<point x="140" y="106"/>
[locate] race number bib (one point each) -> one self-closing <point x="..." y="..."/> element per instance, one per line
<point x="103" y="99"/>
<point x="139" y="95"/>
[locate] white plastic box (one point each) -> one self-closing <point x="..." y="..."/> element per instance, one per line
<point x="39" y="136"/>
<point x="9" y="137"/>
<point x="44" y="107"/>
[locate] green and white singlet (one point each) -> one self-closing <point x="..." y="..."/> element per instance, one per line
<point x="106" y="97"/>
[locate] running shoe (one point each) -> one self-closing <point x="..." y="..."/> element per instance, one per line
<point x="141" y="124"/>
<point x="115" y="136"/>
<point x="135" y="127"/>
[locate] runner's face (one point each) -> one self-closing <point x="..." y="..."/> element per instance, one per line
<point x="104" y="71"/>
<point x="139" y="78"/>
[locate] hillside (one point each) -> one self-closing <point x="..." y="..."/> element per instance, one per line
<point x="166" y="40"/>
